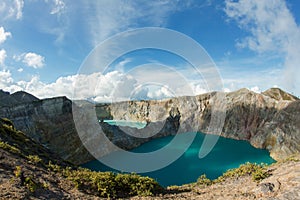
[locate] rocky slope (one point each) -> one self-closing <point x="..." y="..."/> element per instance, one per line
<point x="30" y="171"/>
<point x="49" y="122"/>
<point x="269" y="120"/>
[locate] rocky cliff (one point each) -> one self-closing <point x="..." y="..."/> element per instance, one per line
<point x="49" y="122"/>
<point x="268" y="120"/>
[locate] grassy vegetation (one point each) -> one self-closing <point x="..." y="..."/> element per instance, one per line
<point x="258" y="172"/>
<point x="109" y="184"/>
<point x="204" y="181"/>
<point x="294" y="158"/>
<point x="31" y="184"/>
<point x="18" y="171"/>
<point x="26" y="181"/>
<point x="34" y="159"/>
<point x="10" y="148"/>
<point x="102" y="184"/>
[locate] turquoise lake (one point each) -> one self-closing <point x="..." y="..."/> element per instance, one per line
<point x="226" y="154"/>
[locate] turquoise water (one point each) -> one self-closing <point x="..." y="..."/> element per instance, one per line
<point x="133" y="124"/>
<point x="226" y="154"/>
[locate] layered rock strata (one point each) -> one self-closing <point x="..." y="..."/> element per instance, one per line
<point x="269" y="120"/>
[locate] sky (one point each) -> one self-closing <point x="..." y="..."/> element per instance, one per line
<point x="46" y="44"/>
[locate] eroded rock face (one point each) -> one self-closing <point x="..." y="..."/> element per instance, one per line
<point x="269" y="120"/>
<point x="49" y="122"/>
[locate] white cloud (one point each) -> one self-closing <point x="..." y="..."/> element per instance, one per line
<point x="20" y="70"/>
<point x="96" y="86"/>
<point x="255" y="89"/>
<point x="226" y="90"/>
<point x="33" y="60"/>
<point x="5" y="79"/>
<point x="160" y="93"/>
<point x="3" y="35"/>
<point x="58" y="7"/>
<point x="113" y="86"/>
<point x="198" y="88"/>
<point x="272" y="29"/>
<point x="2" y="56"/>
<point x="157" y="78"/>
<point x="11" y="9"/>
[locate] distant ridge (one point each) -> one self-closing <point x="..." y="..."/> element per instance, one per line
<point x="278" y="94"/>
<point x="24" y="97"/>
<point x="7" y="99"/>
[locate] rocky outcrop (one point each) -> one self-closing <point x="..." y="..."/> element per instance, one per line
<point x="269" y="120"/>
<point x="49" y="122"/>
<point x="278" y="94"/>
<point x="264" y="121"/>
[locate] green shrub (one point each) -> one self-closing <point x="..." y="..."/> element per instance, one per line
<point x="18" y="171"/>
<point x="30" y="184"/>
<point x="7" y="122"/>
<point x="34" y="159"/>
<point x="294" y="158"/>
<point x="54" y="167"/>
<point x="134" y="184"/>
<point x="203" y="181"/>
<point x="258" y="172"/>
<point x="111" y="185"/>
<point x="10" y="148"/>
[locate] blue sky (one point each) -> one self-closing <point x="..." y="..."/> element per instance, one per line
<point x="43" y="43"/>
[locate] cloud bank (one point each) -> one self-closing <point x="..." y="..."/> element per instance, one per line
<point x="113" y="86"/>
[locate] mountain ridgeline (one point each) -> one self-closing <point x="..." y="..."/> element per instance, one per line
<point x="270" y="120"/>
